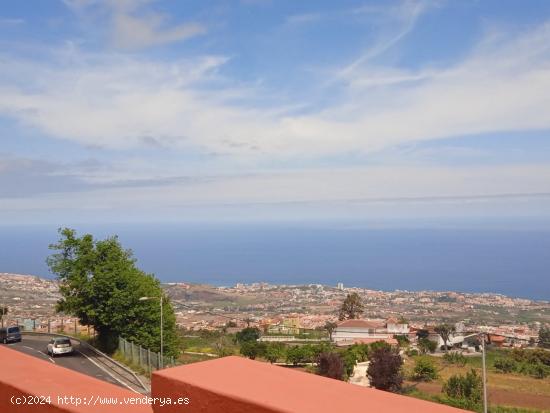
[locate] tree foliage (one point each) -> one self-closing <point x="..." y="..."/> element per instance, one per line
<point x="275" y="352"/>
<point x="445" y="331"/>
<point x="544" y="337"/>
<point x="422" y="333"/>
<point x="351" y="308"/>
<point x="252" y="349"/>
<point x="248" y="334"/>
<point x="101" y="285"/>
<point x="330" y="326"/>
<point x="384" y="369"/>
<point x="330" y="365"/>
<point x="426" y="345"/>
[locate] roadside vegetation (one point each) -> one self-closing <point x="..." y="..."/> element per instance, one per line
<point x="102" y="286"/>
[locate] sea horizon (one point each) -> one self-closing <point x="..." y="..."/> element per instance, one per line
<point x="509" y="261"/>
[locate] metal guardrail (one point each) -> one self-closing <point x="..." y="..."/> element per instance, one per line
<point x="120" y="369"/>
<point x="142" y="357"/>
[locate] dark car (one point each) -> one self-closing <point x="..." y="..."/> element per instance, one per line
<point x="9" y="334"/>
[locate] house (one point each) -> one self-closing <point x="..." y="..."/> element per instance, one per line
<point x="349" y="331"/>
<point x="394" y="326"/>
<point x="288" y="326"/>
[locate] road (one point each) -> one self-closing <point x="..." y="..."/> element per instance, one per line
<point x="36" y="347"/>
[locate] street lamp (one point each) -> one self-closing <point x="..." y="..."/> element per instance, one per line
<point x="161" y="364"/>
<point x="484" y="373"/>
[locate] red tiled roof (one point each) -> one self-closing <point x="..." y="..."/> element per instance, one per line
<point x="236" y="385"/>
<point x="360" y="324"/>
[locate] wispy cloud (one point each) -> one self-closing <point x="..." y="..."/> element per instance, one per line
<point x="297" y="19"/>
<point x="4" y="21"/>
<point x="134" y="26"/>
<point x="116" y="101"/>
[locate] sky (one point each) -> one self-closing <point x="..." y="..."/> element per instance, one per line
<point x="258" y="110"/>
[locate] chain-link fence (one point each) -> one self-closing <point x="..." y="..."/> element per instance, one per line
<point x="142" y="357"/>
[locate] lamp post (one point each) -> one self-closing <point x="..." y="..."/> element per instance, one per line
<point x="484" y="373"/>
<point x="161" y="364"/>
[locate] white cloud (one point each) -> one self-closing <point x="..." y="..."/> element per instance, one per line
<point x="350" y="193"/>
<point x="135" y="27"/>
<point x="116" y="101"/>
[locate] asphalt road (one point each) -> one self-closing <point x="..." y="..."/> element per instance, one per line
<point x="36" y="347"/>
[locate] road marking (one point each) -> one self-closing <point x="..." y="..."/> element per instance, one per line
<point x="106" y="371"/>
<point x="30" y="348"/>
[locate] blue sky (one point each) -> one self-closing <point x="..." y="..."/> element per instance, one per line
<point x="255" y="110"/>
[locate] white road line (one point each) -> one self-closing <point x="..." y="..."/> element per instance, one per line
<point x="106" y="371"/>
<point x="52" y="360"/>
<point x="30" y="348"/>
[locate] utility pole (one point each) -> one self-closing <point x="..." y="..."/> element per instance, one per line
<point x="484" y="373"/>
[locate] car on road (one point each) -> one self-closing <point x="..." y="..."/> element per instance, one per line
<point x="59" y="345"/>
<point x="10" y="334"/>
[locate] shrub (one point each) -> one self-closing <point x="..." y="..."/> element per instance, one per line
<point x="384" y="369"/>
<point x="426" y="345"/>
<point x="455" y="357"/>
<point x="424" y="370"/>
<point x="330" y="365"/>
<point x="504" y="365"/>
<point x="468" y="387"/>
<point x="402" y="340"/>
<point x="412" y="352"/>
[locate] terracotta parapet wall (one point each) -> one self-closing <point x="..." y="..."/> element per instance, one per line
<point x="22" y="376"/>
<point x="238" y="385"/>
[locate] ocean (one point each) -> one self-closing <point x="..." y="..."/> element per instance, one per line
<point x="514" y="262"/>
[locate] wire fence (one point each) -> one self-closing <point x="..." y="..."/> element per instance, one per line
<point x="142" y="357"/>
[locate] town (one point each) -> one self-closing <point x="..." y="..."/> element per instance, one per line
<point x="293" y="311"/>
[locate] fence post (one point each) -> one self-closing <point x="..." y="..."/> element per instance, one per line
<point x="49" y="330"/>
<point x="158" y="361"/>
<point x="140" y="358"/>
<point x="149" y="360"/>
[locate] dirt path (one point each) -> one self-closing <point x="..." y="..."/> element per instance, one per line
<point x="499" y="396"/>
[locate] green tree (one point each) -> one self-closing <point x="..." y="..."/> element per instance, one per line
<point x="445" y="331"/>
<point x="426" y="345"/>
<point x="544" y="337"/>
<point x="252" y="349"/>
<point x="424" y="369"/>
<point x="330" y="326"/>
<point x="422" y="333"/>
<point x="248" y="334"/>
<point x="351" y="308"/>
<point x="402" y="340"/>
<point x="101" y="285"/>
<point x="384" y="369"/>
<point x="275" y="352"/>
<point x="297" y="355"/>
